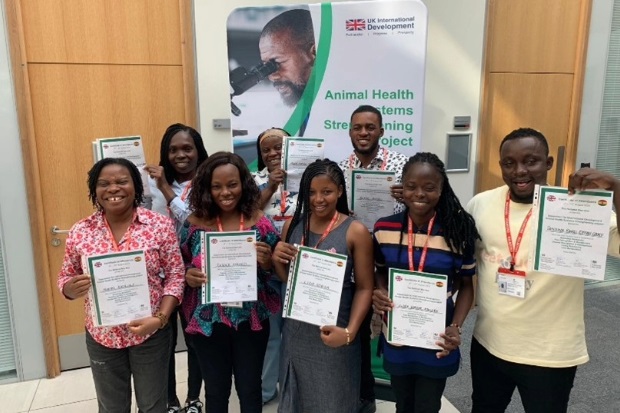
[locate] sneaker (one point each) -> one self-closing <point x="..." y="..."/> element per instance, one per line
<point x="368" y="406"/>
<point x="174" y="409"/>
<point x="194" y="406"/>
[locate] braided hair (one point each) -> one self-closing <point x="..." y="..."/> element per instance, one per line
<point x="164" y="159"/>
<point x="302" y="211"/>
<point x="458" y="225"/>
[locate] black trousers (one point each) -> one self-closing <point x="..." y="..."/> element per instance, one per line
<point x="542" y="389"/>
<point x="417" y="394"/>
<point x="231" y="351"/>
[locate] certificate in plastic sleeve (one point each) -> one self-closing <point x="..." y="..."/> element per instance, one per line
<point x="419" y="312"/>
<point x="230" y="265"/>
<point x="370" y="197"/>
<point x="120" y="290"/>
<point x="297" y="154"/>
<point x="314" y="286"/>
<point x="571" y="232"/>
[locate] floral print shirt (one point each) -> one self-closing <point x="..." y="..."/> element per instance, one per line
<point x="151" y="232"/>
<point x="202" y="316"/>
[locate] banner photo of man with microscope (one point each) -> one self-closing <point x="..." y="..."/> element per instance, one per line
<point x="306" y="68"/>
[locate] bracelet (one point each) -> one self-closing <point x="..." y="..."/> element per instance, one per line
<point x="346" y="330"/>
<point x="163" y="319"/>
<point x="458" y="327"/>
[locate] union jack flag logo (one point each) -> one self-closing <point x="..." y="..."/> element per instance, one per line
<point x="356" y="24"/>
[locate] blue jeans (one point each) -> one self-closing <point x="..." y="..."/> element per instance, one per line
<point x="112" y="369"/>
<point x="231" y="351"/>
<point x="271" y="366"/>
<point x="542" y="389"/>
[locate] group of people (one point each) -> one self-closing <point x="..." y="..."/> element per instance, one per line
<point x="533" y="344"/>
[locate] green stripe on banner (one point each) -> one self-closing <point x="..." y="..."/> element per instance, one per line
<point x="318" y="72"/>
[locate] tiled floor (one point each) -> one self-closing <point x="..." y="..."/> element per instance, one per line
<point x="74" y="392"/>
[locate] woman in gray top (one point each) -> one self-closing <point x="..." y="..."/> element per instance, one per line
<point x="320" y="367"/>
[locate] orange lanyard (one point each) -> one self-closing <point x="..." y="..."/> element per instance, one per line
<point x="327" y="230"/>
<point x="513" y="249"/>
<point x="185" y="192"/>
<point x="411" y="243"/>
<point x="127" y="244"/>
<point x="383" y="164"/>
<point x="220" y="228"/>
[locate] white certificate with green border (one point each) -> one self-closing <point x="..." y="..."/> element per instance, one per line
<point x="419" y="312"/>
<point x="128" y="147"/>
<point x="370" y="196"/>
<point x="314" y="287"/>
<point x="570" y="232"/>
<point x="120" y="287"/>
<point x="231" y="267"/>
<point x="297" y="154"/>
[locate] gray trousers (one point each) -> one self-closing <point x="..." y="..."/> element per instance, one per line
<point x="112" y="369"/>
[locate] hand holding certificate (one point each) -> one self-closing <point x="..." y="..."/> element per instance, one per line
<point x="314" y="287"/>
<point x="297" y="154"/>
<point x="571" y="232"/>
<point x="120" y="291"/>
<point x="418" y="316"/>
<point x="230" y="265"/>
<point x="370" y="196"/>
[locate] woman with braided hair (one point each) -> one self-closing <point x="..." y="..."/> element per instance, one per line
<point x="319" y="367"/>
<point x="442" y="237"/>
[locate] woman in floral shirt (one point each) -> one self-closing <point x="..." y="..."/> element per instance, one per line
<point x="140" y="348"/>
<point x="228" y="340"/>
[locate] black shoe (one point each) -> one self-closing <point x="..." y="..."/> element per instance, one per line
<point x="368" y="406"/>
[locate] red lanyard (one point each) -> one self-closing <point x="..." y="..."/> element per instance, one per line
<point x="383" y="164"/>
<point x="411" y="243"/>
<point x="185" y="192"/>
<point x="513" y="249"/>
<point x="327" y="230"/>
<point x="283" y="195"/>
<point x="221" y="228"/>
<point x="117" y="248"/>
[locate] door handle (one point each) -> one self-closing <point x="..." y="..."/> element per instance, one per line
<point x="559" y="172"/>
<point x="56" y="231"/>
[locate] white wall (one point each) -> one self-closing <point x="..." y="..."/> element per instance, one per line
<point x="453" y="73"/>
<point x="596" y="67"/>
<point x="15" y="227"/>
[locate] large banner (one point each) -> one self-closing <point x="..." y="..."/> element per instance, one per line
<point x="307" y="68"/>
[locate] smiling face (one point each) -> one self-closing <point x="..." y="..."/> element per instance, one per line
<point x="226" y="187"/>
<point x="115" y="190"/>
<point x="294" y="62"/>
<point x="271" y="151"/>
<point x="183" y="156"/>
<point x="524" y="163"/>
<point x="422" y="184"/>
<point x="365" y="133"/>
<point x="324" y="194"/>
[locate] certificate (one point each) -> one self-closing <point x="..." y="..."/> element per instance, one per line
<point x="570" y="232"/>
<point x="419" y="312"/>
<point x="230" y="265"/>
<point x="370" y="197"/>
<point x="128" y="147"/>
<point x="120" y="289"/>
<point x="314" y="287"/>
<point x="297" y="154"/>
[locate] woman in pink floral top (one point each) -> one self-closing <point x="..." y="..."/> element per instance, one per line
<point x="228" y="340"/>
<point x="141" y="347"/>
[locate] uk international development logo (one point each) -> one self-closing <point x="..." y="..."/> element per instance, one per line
<point x="354" y="25"/>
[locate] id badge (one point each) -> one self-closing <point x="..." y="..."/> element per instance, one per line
<point x="233" y="304"/>
<point x="511" y="283"/>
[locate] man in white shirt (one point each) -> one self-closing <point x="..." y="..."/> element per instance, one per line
<point x="534" y="342"/>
